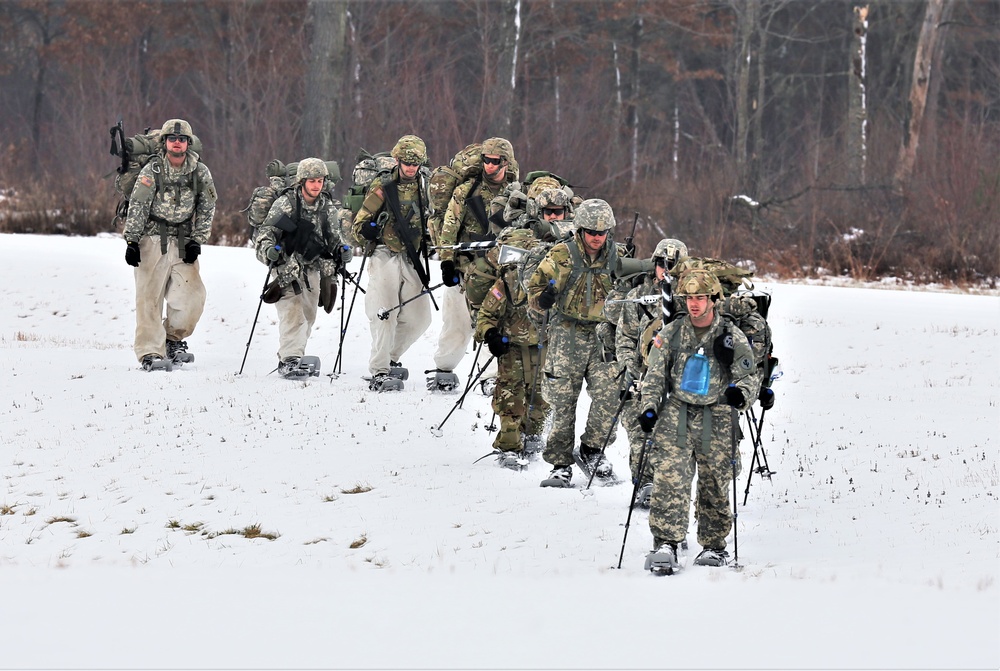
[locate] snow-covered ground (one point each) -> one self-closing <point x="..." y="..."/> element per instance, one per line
<point x="127" y="496"/>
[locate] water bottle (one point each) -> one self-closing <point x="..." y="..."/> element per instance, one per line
<point x="696" y="374"/>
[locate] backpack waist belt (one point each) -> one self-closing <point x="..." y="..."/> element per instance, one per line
<point x="181" y="231"/>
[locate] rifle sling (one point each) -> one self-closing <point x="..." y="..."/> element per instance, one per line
<point x="391" y="191"/>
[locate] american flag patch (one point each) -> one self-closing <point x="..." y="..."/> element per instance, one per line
<point x="496" y="293"/>
<point x="146" y="180"/>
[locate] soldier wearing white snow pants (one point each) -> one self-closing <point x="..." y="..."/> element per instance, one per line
<point x="393" y="280"/>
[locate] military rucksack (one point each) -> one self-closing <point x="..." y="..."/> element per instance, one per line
<point x="731" y="277"/>
<point x="281" y="179"/>
<point x="135" y="152"/>
<point x="484" y="271"/>
<point x="464" y="166"/>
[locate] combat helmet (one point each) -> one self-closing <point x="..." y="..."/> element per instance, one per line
<point x="410" y="149"/>
<point x="311" y="168"/>
<point x="594" y="214"/>
<point x="542" y="184"/>
<point x="499" y="146"/>
<point x="699" y="282"/>
<point x="553" y="198"/>
<point x="670" y="250"/>
<point x="176" y="127"/>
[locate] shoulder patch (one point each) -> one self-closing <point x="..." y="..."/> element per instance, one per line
<point x="378" y="192"/>
<point x="497" y="293"/>
<point x="746" y="364"/>
<point x="657" y="341"/>
<point x="146" y="181"/>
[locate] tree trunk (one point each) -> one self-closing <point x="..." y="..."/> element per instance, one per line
<point x="324" y="76"/>
<point x="746" y="21"/>
<point x="923" y="64"/>
<point x="857" y="102"/>
<point x="633" y="100"/>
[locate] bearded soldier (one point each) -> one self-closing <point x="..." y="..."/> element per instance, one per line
<point x="170" y="215"/>
<point x="701" y="373"/>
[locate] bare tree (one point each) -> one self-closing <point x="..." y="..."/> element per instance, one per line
<point x="325" y="75"/>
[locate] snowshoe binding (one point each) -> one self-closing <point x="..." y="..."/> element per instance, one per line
<point x="663" y="559"/>
<point x="593" y="463"/>
<point x="514" y="461"/>
<point x="385" y="382"/>
<point x="398" y="371"/>
<point x="443" y="381"/>
<point x="297" y="368"/>
<point x="560" y="476"/>
<point x="177" y="352"/>
<point x="711" y="557"/>
<point x="152" y="362"/>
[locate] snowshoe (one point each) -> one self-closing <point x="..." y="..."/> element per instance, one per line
<point x="152" y="362"/>
<point x="591" y="461"/>
<point x="711" y="557"/>
<point x="487" y="386"/>
<point x="443" y="381"/>
<point x="398" y="371"/>
<point x="515" y="461"/>
<point x="385" y="382"/>
<point x="533" y="445"/>
<point x="663" y="560"/>
<point x="295" y="368"/>
<point x="177" y="352"/>
<point x="559" y="477"/>
<point x="642" y="498"/>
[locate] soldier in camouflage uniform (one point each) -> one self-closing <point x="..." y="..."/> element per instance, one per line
<point x="461" y="224"/>
<point x="170" y="215"/>
<point x="572" y="283"/>
<point x="504" y="325"/>
<point x="300" y="239"/>
<point x="393" y="276"/>
<point x="634" y="320"/>
<point x="701" y="373"/>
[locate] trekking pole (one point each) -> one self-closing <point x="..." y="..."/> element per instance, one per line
<point x="734" y="428"/>
<point x="611" y="429"/>
<point x="383" y="314"/>
<point x="343" y="327"/>
<point x="643" y="454"/>
<point x="469" y="381"/>
<point x="437" y="430"/>
<point x="256" y="316"/>
<point x="758" y="464"/>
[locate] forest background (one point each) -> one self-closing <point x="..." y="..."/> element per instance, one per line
<point x="807" y="138"/>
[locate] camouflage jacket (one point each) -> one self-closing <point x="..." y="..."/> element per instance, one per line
<point x="460" y="224"/>
<point x="173" y="195"/>
<point x="676" y="343"/>
<point x="316" y="243"/>
<point x="413" y="197"/>
<point x="581" y="290"/>
<point x="506" y="309"/>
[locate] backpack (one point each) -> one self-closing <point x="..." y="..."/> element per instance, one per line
<point x="135" y="152"/>
<point x="465" y="165"/>
<point x="731" y="277"/>
<point x="366" y="167"/>
<point x="486" y="269"/>
<point x="281" y="180"/>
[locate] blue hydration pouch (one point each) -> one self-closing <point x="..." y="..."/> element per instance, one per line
<point x="696" y="374"/>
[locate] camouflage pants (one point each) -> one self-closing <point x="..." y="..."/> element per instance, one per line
<point x="516" y="376"/>
<point x="682" y="444"/>
<point x="575" y="355"/>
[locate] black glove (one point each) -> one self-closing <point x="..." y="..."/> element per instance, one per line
<point x="191" y="251"/>
<point x="449" y="274"/>
<point x="629" y="250"/>
<point x="327" y="293"/>
<point x="723" y="349"/>
<point x="734" y="396"/>
<point x="272" y="292"/>
<point x="766" y="398"/>
<point x="370" y="231"/>
<point x="647" y="420"/>
<point x="499" y="344"/>
<point x="547" y="298"/>
<point x="132" y="255"/>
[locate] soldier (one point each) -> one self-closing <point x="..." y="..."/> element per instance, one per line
<point x="572" y="283"/>
<point x="465" y="220"/>
<point x="635" y="320"/>
<point x="300" y="239"/>
<point x="701" y="373"/>
<point x="395" y="246"/>
<point x="170" y="215"/>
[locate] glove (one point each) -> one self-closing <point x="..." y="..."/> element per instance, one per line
<point x="449" y="274"/>
<point x="723" y="349"/>
<point x="647" y="420"/>
<point x="547" y="298"/>
<point x="498" y="344"/>
<point x="370" y="231"/>
<point x="273" y="253"/>
<point x="766" y="398"/>
<point x="191" y="251"/>
<point x="346" y="255"/>
<point x="734" y="396"/>
<point x="132" y="255"/>
<point x="626" y="393"/>
<point x="327" y="293"/>
<point x="272" y="292"/>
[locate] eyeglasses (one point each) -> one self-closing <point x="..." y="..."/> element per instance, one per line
<point x="178" y="138"/>
<point x="596" y="234"/>
<point x="408" y="164"/>
<point x="489" y="160"/>
<point x="553" y="211"/>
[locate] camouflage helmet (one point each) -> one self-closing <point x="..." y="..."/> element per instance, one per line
<point x="699" y="282"/>
<point x="553" y="198"/>
<point x="670" y="250"/>
<point x="595" y="214"/>
<point x="176" y="127"/>
<point x="311" y="168"/>
<point x="499" y="146"/>
<point x="541" y="184"/>
<point x="410" y="149"/>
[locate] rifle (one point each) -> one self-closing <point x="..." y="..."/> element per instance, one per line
<point x="118" y="147"/>
<point x="629" y="246"/>
<point x="391" y="192"/>
<point x="468" y="246"/>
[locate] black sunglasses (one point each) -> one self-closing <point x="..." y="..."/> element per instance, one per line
<point x="594" y="233"/>
<point x="408" y="164"/>
<point x="553" y="211"/>
<point x="489" y="160"/>
<point x="178" y="138"/>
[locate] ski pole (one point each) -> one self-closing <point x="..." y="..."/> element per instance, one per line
<point x="635" y="489"/>
<point x="256" y="316"/>
<point x="758" y="464"/>
<point x="469" y="381"/>
<point x="437" y="431"/>
<point x="383" y="314"/>
<point x="343" y="329"/>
